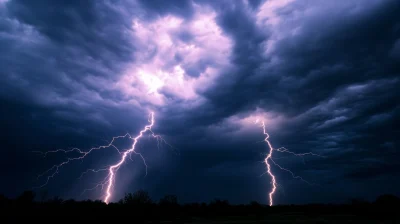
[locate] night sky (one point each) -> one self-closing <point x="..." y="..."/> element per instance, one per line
<point x="323" y="75"/>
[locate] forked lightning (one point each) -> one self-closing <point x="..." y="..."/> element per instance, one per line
<point x="269" y="159"/>
<point x="109" y="181"/>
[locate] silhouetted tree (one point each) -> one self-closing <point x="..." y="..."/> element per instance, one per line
<point x="219" y="203"/>
<point x="384" y="208"/>
<point x="70" y="202"/>
<point x="388" y="200"/>
<point x="26" y="198"/>
<point x="3" y="200"/>
<point x="358" y="201"/>
<point x="140" y="197"/>
<point x="218" y="206"/>
<point x="255" y="204"/>
<point x="43" y="195"/>
<point x="169" y="200"/>
<point x="56" y="201"/>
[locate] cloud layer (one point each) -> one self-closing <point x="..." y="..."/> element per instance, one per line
<point x="323" y="75"/>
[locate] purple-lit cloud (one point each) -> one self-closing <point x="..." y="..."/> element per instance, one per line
<point x="175" y="57"/>
<point x="321" y="74"/>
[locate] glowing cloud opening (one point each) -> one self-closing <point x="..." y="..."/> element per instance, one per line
<point x="175" y="58"/>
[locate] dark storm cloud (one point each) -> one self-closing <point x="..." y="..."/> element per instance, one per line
<point x="309" y="67"/>
<point x="63" y="55"/>
<point x="337" y="76"/>
<point x="330" y="70"/>
<point x="57" y="60"/>
<point x="154" y="8"/>
<point x="95" y="27"/>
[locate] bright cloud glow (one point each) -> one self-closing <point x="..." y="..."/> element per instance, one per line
<point x="267" y="13"/>
<point x="153" y="82"/>
<point x="268" y="18"/>
<point x="176" y="57"/>
<point x="243" y="124"/>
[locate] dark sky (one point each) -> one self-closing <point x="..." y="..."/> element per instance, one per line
<point x="323" y="75"/>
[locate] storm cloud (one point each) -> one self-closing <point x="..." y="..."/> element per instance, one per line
<point x="324" y="75"/>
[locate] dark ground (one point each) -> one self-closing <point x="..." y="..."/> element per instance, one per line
<point x="139" y="208"/>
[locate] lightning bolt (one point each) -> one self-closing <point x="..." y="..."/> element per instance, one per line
<point x="109" y="180"/>
<point x="269" y="159"/>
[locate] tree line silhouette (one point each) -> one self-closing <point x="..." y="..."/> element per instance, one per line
<point x="140" y="206"/>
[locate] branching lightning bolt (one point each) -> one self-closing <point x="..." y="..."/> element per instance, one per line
<point x="269" y="159"/>
<point x="109" y="180"/>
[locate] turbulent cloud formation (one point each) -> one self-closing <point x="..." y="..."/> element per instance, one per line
<point x="175" y="57"/>
<point x="324" y="75"/>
